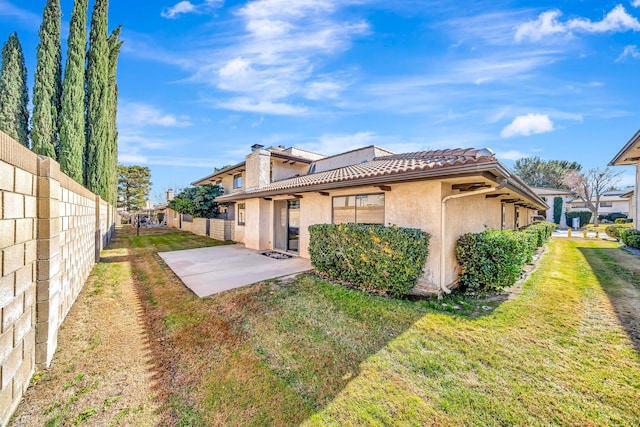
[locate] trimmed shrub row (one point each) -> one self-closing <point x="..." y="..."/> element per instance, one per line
<point x="623" y="220"/>
<point x="612" y="217"/>
<point x="614" y="230"/>
<point x="585" y="217"/>
<point x="372" y="257"/>
<point x="630" y="237"/>
<point x="494" y="259"/>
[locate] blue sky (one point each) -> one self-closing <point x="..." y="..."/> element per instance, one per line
<point x="203" y="80"/>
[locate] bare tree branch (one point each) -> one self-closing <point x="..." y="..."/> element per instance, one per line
<point x="590" y="185"/>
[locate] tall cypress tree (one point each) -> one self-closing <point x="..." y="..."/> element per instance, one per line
<point x="72" y="121"/>
<point x="114" y="51"/>
<point x="98" y="117"/>
<point x="48" y="86"/>
<point x="14" y="96"/>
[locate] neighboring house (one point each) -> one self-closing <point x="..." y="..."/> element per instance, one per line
<point x="630" y="155"/>
<point x="276" y="194"/>
<point x="630" y="196"/>
<point x="548" y="195"/>
<point x="610" y="202"/>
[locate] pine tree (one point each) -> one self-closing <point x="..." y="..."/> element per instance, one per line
<point x="72" y="121"/>
<point x="98" y="117"/>
<point x="48" y="86"/>
<point x="114" y="51"/>
<point x="14" y="96"/>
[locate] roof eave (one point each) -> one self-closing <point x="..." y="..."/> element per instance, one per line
<point x="618" y="159"/>
<point x="204" y="180"/>
<point x="494" y="167"/>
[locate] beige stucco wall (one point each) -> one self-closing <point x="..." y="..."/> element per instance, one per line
<point x="258" y="172"/>
<point x="314" y="209"/>
<point x="227" y="183"/>
<point x="282" y="169"/>
<point x="347" y="159"/>
<point x="414" y="205"/>
<point x="417" y="205"/>
<point x="258" y="228"/>
<point x="467" y="215"/>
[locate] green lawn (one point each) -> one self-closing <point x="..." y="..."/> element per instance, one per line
<point x="314" y="353"/>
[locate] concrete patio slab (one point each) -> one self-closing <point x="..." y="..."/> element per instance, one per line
<point x="208" y="271"/>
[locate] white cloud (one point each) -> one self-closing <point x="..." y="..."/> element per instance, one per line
<point x="184" y="7"/>
<point x="511" y="155"/>
<point x="178" y="9"/>
<point x="323" y="89"/>
<point x="137" y="114"/>
<point x="275" y="57"/>
<point x="262" y="107"/>
<point x="631" y="50"/>
<point x="635" y="3"/>
<point x="528" y="125"/>
<point x="33" y="20"/>
<point x="330" y="144"/>
<point x="548" y="23"/>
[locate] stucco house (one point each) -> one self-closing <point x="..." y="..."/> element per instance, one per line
<point x="277" y="193"/>
<point x="610" y="202"/>
<point x="629" y="194"/>
<point x="548" y="195"/>
<point x="629" y="155"/>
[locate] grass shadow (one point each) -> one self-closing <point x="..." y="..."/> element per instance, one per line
<point x="618" y="272"/>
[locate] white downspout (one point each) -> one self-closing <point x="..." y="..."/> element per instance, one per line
<point x="443" y="209"/>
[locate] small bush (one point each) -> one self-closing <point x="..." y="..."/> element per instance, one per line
<point x="494" y="259"/>
<point x="630" y="237"/>
<point x="585" y="217"/>
<point x="542" y="230"/>
<point x="614" y="230"/>
<point x="623" y="220"/>
<point x="372" y="257"/>
<point x="614" y="216"/>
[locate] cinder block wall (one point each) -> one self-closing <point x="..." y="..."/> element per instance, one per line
<point x="51" y="232"/>
<point x="220" y="229"/>
<point x="199" y="226"/>
<point x="18" y="258"/>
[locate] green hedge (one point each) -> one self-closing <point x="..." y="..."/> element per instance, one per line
<point x="585" y="217"/>
<point x="557" y="209"/>
<point x="623" y="220"/>
<point x="614" y="230"/>
<point x="493" y="260"/>
<point x="630" y="237"/>
<point x="372" y="257"/>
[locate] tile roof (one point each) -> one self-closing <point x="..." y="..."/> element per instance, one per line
<point x="383" y="166"/>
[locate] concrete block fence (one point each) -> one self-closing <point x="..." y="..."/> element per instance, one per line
<point x="52" y="230"/>
<point x="219" y="229"/>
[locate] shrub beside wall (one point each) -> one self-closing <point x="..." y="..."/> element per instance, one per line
<point x="631" y="237"/>
<point x="372" y="257"/>
<point x="494" y="259"/>
<point x="614" y="230"/>
<point x="585" y="217"/>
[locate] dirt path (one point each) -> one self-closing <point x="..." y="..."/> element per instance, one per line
<point x="102" y="372"/>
